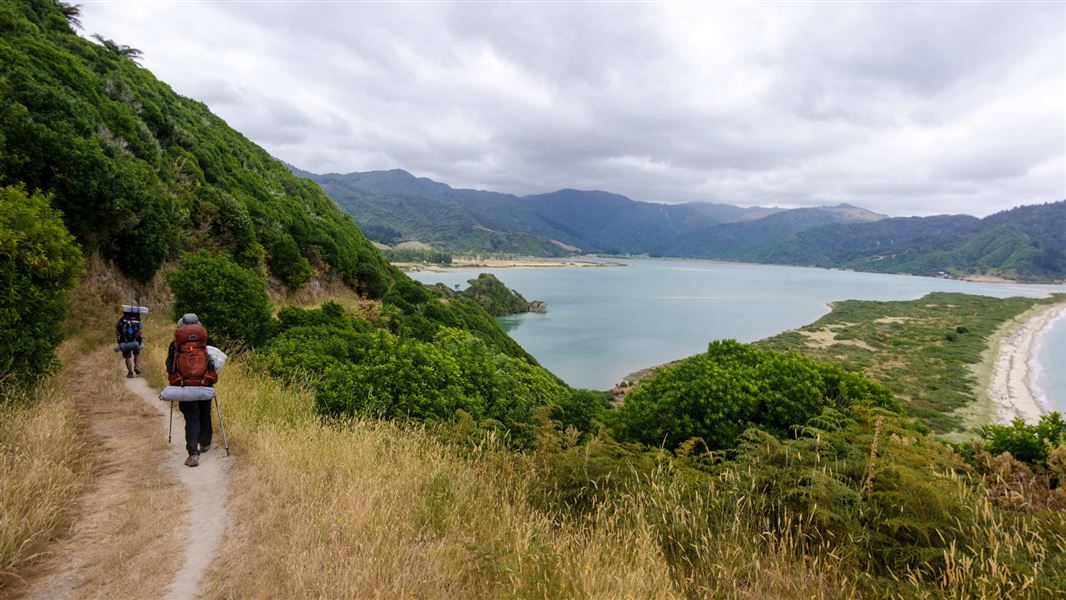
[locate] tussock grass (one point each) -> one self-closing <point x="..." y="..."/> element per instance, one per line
<point x="371" y="509"/>
<point x="43" y="469"/>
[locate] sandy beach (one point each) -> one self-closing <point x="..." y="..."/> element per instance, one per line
<point x="465" y="262"/>
<point x="1011" y="387"/>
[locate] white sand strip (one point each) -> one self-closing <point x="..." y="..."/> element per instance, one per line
<point x="1011" y="387"/>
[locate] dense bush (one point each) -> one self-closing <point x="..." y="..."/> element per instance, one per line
<point x="231" y="301"/>
<point x="356" y="369"/>
<point x="1027" y="443"/>
<point x="418" y="255"/>
<point x="717" y="395"/>
<point x="39" y="263"/>
<point x="495" y="297"/>
<point x="141" y="173"/>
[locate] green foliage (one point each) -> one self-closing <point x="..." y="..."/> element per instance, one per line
<point x="1026" y="243"/>
<point x="394" y="206"/>
<point x="39" y="263"/>
<point x="381" y="234"/>
<point x="417" y="255"/>
<point x="231" y="301"/>
<point x="1030" y="444"/>
<point x="581" y="409"/>
<point x="873" y="486"/>
<point x="496" y="298"/>
<point x="141" y="174"/>
<point x="357" y="370"/>
<point x="718" y="395"/>
<point x="902" y="345"/>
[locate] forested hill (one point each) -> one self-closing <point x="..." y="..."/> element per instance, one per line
<point x="395" y="205"/>
<point x="738" y="240"/>
<point x="1026" y="243"/>
<point x="142" y="175"/>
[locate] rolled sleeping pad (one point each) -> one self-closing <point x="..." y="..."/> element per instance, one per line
<point x="136" y="310"/>
<point x="124" y="346"/>
<point x="189" y="393"/>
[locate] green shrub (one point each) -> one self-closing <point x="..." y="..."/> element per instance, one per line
<point x="718" y="395"/>
<point x="141" y="173"/>
<point x="495" y="297"/>
<point x="357" y="370"/>
<point x="580" y="409"/>
<point x="1027" y="443"/>
<point x="873" y="487"/>
<point x="231" y="301"/>
<point x="39" y="263"/>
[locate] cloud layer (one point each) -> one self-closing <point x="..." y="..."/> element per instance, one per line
<point x="904" y="109"/>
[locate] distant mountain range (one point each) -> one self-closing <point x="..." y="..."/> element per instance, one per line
<point x="1027" y="243"/>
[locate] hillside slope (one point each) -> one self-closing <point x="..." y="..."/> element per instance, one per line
<point x="142" y="174"/>
<point x="740" y="241"/>
<point x="418" y="208"/>
<point x="1025" y="243"/>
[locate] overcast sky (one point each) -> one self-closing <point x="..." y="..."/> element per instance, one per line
<point x="900" y="108"/>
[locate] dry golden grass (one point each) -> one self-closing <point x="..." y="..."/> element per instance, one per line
<point x="43" y="469"/>
<point x="85" y="508"/>
<point x="368" y="509"/>
<point x="130" y="533"/>
<point x="124" y="518"/>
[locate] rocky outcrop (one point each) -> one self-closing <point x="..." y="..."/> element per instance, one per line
<point x="537" y="306"/>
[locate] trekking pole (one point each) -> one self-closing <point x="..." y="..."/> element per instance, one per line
<point x="170" y="428"/>
<point x="218" y="409"/>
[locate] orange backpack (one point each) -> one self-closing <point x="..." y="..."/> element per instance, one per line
<point x="191" y="365"/>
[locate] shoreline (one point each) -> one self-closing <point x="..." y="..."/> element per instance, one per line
<point x="582" y="260"/>
<point x="1009" y="386"/>
<point x="460" y="262"/>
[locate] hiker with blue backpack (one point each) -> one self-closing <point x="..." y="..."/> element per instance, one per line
<point x="128" y="339"/>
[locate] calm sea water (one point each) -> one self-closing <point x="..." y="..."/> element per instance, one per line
<point x="1050" y="364"/>
<point x="605" y="323"/>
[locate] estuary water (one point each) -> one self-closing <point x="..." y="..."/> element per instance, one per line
<point x="1050" y="364"/>
<point x="604" y="323"/>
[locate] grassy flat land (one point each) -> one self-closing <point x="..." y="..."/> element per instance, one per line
<point x="924" y="350"/>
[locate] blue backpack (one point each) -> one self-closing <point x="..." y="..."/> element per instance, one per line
<point x="130" y="329"/>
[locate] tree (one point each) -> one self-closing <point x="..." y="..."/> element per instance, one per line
<point x="39" y="263"/>
<point x="718" y="395"/>
<point x="72" y="13"/>
<point x="231" y="301"/>
<point x="120" y="49"/>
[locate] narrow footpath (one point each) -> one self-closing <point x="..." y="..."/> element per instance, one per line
<point x="149" y="527"/>
<point x="207" y="489"/>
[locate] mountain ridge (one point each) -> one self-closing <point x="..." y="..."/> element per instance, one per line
<point x="408" y="207"/>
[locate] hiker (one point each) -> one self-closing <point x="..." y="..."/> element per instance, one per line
<point x="128" y="341"/>
<point x="189" y="365"/>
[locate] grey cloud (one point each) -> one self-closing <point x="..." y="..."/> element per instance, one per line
<point x="900" y="108"/>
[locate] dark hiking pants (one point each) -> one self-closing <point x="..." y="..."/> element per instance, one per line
<point x="197" y="424"/>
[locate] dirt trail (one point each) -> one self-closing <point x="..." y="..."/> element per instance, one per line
<point x="150" y="526"/>
<point x="208" y="492"/>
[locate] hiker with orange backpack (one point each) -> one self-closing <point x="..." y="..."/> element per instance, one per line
<point x="188" y="364"/>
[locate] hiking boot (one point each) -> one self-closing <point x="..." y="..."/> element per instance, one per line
<point x="130" y="375"/>
<point x="204" y="448"/>
<point x="192" y="461"/>
<point x="136" y="371"/>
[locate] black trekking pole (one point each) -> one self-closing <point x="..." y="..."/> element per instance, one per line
<point x="218" y="409"/>
<point x="170" y="428"/>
